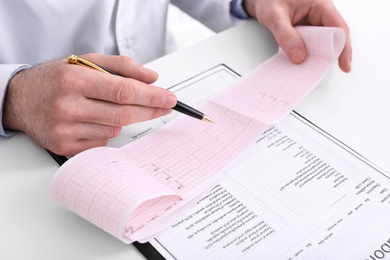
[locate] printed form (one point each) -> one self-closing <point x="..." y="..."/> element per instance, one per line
<point x="298" y="194"/>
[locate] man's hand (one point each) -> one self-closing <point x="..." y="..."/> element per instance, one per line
<point x="67" y="108"/>
<point x="279" y="16"/>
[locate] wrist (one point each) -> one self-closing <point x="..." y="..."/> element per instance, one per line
<point x="7" y="71"/>
<point x="12" y="103"/>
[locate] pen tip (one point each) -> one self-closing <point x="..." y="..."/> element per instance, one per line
<point x="207" y="119"/>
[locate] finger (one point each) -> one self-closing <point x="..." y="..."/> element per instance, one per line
<point x="110" y="114"/>
<point x="76" y="146"/>
<point x="96" y="85"/>
<point x="345" y="58"/>
<point x="333" y="18"/>
<point x="285" y="34"/>
<point x="64" y="133"/>
<point x="92" y="131"/>
<point x="72" y="138"/>
<point x="124" y="66"/>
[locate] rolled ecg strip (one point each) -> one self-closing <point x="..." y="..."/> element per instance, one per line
<point x="136" y="191"/>
<point x="273" y="89"/>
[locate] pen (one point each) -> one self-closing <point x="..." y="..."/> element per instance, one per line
<point x="180" y="106"/>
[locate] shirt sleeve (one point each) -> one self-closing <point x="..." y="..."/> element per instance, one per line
<point x="237" y="9"/>
<point x="217" y="15"/>
<point x="6" y="73"/>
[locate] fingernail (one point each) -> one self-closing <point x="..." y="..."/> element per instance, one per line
<point x="145" y="70"/>
<point x="297" y="55"/>
<point x="170" y="101"/>
<point x="148" y="71"/>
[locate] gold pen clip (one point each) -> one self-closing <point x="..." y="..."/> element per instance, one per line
<point x="73" y="59"/>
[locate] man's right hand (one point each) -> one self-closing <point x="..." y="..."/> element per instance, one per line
<point x="68" y="109"/>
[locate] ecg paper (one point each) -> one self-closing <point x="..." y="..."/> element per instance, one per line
<point x="136" y="191"/>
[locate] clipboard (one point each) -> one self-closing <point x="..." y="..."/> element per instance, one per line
<point x="151" y="252"/>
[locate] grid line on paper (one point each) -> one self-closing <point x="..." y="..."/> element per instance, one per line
<point x="268" y="96"/>
<point x="273" y="89"/>
<point x="102" y="188"/>
<point x="178" y="153"/>
<point x="212" y="157"/>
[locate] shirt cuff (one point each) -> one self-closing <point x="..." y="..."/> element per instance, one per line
<point x="237" y="9"/>
<point x="6" y="73"/>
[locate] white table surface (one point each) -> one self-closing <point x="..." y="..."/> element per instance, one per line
<point x="353" y="107"/>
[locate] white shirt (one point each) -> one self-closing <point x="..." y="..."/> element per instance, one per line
<point x="34" y="31"/>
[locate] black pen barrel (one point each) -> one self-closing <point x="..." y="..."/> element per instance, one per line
<point x="189" y="111"/>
